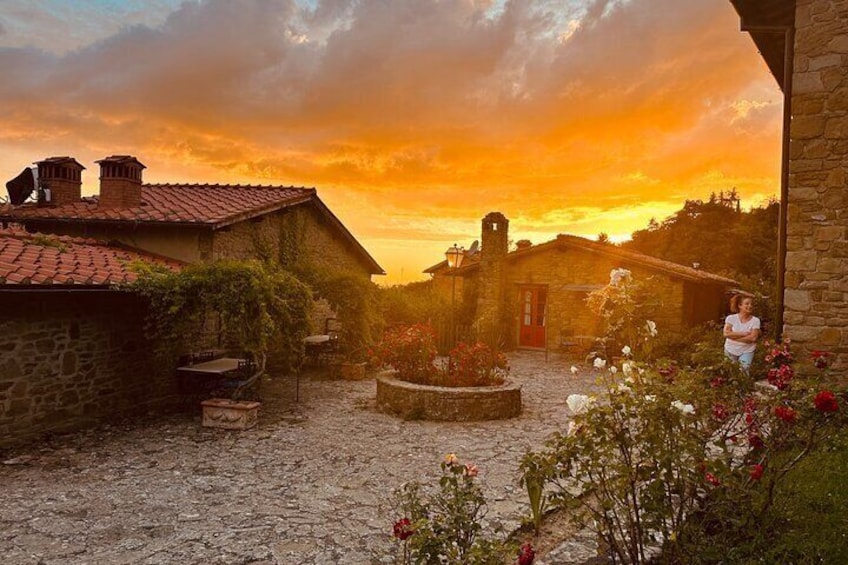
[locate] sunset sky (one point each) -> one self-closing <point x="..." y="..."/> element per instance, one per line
<point x="412" y="118"/>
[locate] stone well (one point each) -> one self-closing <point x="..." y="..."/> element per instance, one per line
<point x="454" y="404"/>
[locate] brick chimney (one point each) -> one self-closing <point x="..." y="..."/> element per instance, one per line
<point x="62" y="177"/>
<point x="120" y="182"/>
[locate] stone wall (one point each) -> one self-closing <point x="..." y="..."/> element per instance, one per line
<point x="563" y="271"/>
<point x="816" y="294"/>
<point x="71" y="359"/>
<point x="296" y="235"/>
<point x="461" y="404"/>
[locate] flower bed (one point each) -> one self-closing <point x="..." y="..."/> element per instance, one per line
<point x="454" y="404"/>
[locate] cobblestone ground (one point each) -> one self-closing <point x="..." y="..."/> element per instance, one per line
<point x="309" y="484"/>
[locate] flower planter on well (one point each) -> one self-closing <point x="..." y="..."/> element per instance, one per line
<point x="229" y="414"/>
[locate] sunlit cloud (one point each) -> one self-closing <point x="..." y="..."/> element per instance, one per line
<point x="413" y="118"/>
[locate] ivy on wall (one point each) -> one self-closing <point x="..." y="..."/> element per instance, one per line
<point x="263" y="309"/>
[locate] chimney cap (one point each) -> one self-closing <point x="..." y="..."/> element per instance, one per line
<point x="63" y="160"/>
<point x="121" y="160"/>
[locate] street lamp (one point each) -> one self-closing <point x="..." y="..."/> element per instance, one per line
<point x="454" y="256"/>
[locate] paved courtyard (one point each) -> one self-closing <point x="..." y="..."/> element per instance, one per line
<point x="309" y="484"/>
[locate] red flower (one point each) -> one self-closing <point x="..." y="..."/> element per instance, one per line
<point x="720" y="412"/>
<point x="786" y="414"/>
<point x="526" y="555"/>
<point x="755" y="441"/>
<point x="716" y="382"/>
<point x="825" y="401"/>
<point x="712" y="479"/>
<point x="403" y="529"/>
<point x="756" y="472"/>
<point x="820" y="359"/>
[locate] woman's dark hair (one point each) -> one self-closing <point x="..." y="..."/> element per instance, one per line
<point x="737" y="299"/>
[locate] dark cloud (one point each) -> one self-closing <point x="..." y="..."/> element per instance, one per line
<point x="528" y="107"/>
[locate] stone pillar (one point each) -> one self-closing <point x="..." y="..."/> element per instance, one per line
<point x="490" y="323"/>
<point x="816" y="293"/>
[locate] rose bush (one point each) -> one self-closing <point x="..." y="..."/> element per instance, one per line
<point x="445" y="526"/>
<point x="678" y="462"/>
<point x="411" y="352"/>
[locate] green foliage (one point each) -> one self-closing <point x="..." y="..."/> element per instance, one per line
<point x="263" y="309"/>
<point x="475" y="365"/>
<point x="721" y="238"/>
<point x="682" y="464"/>
<point x="414" y="303"/>
<point x="355" y="300"/>
<point x="624" y="305"/>
<point x="411" y="352"/>
<point x="445" y="527"/>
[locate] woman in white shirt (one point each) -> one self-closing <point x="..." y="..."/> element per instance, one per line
<point x="742" y="329"/>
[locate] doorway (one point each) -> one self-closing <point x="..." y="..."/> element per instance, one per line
<point x="533" y="300"/>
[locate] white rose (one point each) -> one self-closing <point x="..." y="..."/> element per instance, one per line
<point x="613" y="369"/>
<point x="651" y="328"/>
<point x="651" y="397"/>
<point x="627" y="369"/>
<point x="578" y="403"/>
<point x="685" y="408"/>
<point x="626" y="350"/>
<point x="599" y="363"/>
<point x="574" y="370"/>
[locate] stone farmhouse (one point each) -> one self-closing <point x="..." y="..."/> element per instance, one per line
<point x="535" y="296"/>
<point x="805" y="45"/>
<point x="72" y="347"/>
<point x="192" y="222"/>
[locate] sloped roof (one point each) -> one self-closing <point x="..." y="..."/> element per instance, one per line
<point x="37" y="260"/>
<point x="608" y="250"/>
<point x="646" y="261"/>
<point x="214" y="205"/>
<point x="208" y="205"/>
<point x="763" y="19"/>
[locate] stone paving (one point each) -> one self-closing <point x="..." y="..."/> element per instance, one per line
<point x="309" y="484"/>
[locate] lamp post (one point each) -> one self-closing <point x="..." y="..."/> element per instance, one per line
<point x="454" y="256"/>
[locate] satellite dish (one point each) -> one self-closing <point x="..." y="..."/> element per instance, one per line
<point x="474" y="247"/>
<point x="22" y="186"/>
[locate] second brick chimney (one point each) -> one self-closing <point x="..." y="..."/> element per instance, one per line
<point x="61" y="178"/>
<point x="120" y="181"/>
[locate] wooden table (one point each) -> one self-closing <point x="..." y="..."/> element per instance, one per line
<point x="208" y="376"/>
<point x="218" y="367"/>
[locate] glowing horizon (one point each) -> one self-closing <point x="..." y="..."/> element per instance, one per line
<point x="413" y="118"/>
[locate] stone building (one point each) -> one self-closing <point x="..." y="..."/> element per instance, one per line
<point x="72" y="348"/>
<point x="192" y="222"/>
<point x="535" y="296"/>
<point x="805" y="45"/>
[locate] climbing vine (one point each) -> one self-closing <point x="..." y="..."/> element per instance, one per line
<point x="263" y="310"/>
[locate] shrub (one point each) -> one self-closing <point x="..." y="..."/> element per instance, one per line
<point x="444" y="527"/>
<point x="409" y="350"/>
<point x="680" y="462"/>
<point x="475" y="365"/>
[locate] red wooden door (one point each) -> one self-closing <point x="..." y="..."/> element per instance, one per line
<point x="533" y="303"/>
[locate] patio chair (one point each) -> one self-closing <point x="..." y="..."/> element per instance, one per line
<point x="567" y="342"/>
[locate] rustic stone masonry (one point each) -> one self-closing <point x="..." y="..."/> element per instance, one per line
<point x="816" y="295"/>
<point x="495" y="245"/>
<point x="564" y="272"/>
<point x="293" y="235"/>
<point x="68" y="359"/>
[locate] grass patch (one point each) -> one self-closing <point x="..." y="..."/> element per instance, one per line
<point x="810" y="522"/>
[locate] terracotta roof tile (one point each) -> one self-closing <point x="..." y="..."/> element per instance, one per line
<point x="38" y="259"/>
<point x="175" y="203"/>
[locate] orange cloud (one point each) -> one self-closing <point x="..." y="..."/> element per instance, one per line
<point x="415" y="118"/>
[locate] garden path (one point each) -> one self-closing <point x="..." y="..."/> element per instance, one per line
<point x="309" y="484"/>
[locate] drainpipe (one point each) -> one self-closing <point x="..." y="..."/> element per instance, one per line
<point x="788" y="32"/>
